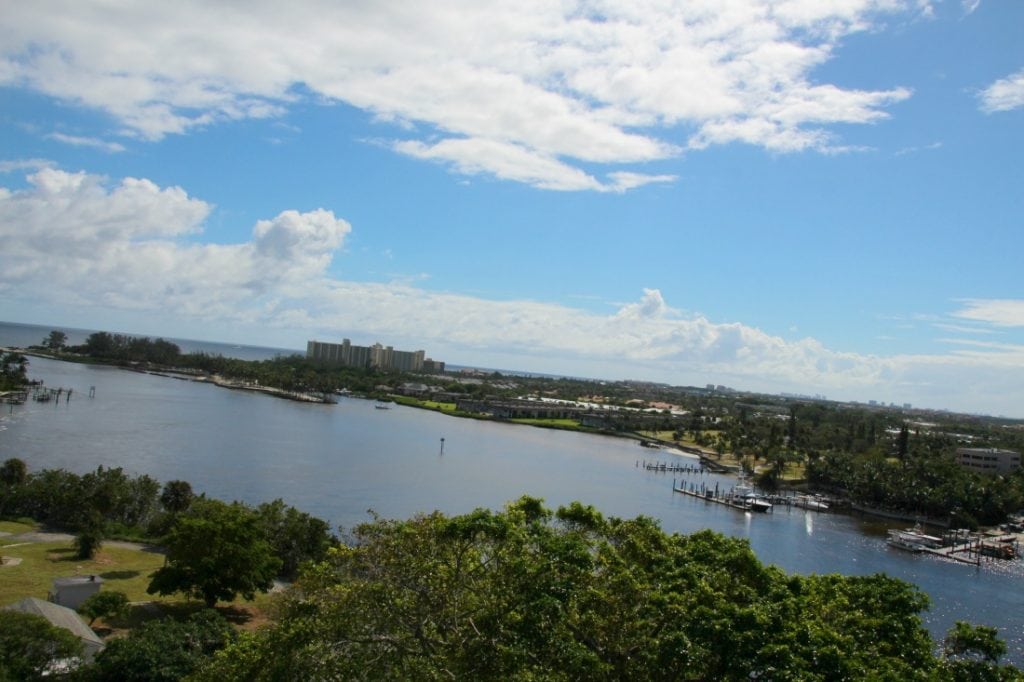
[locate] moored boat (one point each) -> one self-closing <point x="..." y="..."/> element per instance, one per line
<point x="912" y="539"/>
<point x="744" y="496"/>
<point x="811" y="502"/>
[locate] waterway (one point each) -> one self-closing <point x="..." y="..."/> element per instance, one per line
<point x="340" y="461"/>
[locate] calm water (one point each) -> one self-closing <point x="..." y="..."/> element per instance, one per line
<point x="339" y="461"/>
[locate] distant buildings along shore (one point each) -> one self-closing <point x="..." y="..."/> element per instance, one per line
<point x="375" y="356"/>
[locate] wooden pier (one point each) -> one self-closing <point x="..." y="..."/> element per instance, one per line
<point x="671" y="467"/>
<point x="975" y="549"/>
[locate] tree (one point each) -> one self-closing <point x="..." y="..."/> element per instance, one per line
<point x="13" y="370"/>
<point x="29" y="644"/>
<point x="100" y="345"/>
<point x="13" y="472"/>
<point x="56" y="340"/>
<point x="104" y="604"/>
<point x="214" y="552"/>
<point x="176" y="496"/>
<point x="90" y="536"/>
<point x="163" y="650"/>
<point x="972" y="652"/>
<point x="295" y="536"/>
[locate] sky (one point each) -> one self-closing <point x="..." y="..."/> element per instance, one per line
<point x="820" y="197"/>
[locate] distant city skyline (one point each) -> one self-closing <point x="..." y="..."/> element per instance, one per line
<point x="785" y="197"/>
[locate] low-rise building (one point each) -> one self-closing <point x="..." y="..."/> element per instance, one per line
<point x="72" y="591"/>
<point x="988" y="460"/>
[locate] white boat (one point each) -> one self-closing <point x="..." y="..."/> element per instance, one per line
<point x="745" y="496"/>
<point x="811" y="502"/>
<point x="382" y="406"/>
<point x="912" y="539"/>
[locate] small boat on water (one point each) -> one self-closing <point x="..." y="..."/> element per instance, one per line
<point x="382" y="406"/>
<point x="811" y="502"/>
<point x="912" y="539"/>
<point x="745" y="496"/>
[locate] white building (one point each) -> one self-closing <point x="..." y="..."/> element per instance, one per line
<point x="74" y="590"/>
<point x="988" y="460"/>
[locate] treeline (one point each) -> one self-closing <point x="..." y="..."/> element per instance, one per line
<point x="922" y="483"/>
<point x="127" y="349"/>
<point x="531" y="594"/>
<point x="108" y="503"/>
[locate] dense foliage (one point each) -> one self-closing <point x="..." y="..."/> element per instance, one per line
<point x="105" y="604"/>
<point x="108" y="502"/>
<point x="216" y="551"/>
<point x="161" y="651"/>
<point x="13" y="371"/>
<point x="29" y="644"/>
<point x="527" y="594"/>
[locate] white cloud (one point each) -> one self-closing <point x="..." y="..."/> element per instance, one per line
<point x="999" y="312"/>
<point x="94" y="142"/>
<point x="528" y="91"/>
<point x="1004" y="94"/>
<point x="79" y="241"/>
<point x="72" y="238"/>
<point x="17" y="165"/>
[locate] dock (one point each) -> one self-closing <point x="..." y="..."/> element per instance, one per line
<point x="671" y="467"/>
<point x="975" y="549"/>
<point x="729" y="499"/>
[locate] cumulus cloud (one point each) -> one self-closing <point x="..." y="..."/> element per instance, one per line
<point x="528" y="91"/>
<point x="80" y="240"/>
<point x="1005" y="94"/>
<point x="76" y="238"/>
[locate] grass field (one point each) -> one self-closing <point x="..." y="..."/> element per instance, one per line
<point x="425" y="404"/>
<point x="17" y="526"/>
<point x="122" y="569"/>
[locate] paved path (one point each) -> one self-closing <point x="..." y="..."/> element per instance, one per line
<point x="43" y="536"/>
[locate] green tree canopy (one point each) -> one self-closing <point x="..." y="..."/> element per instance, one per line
<point x="55" y="340"/>
<point x="13" y="472"/>
<point x="296" y="537"/>
<point x="216" y="551"/>
<point x="530" y="594"/>
<point x="176" y="496"/>
<point x="163" y="650"/>
<point x="104" y="604"/>
<point x="29" y="644"/>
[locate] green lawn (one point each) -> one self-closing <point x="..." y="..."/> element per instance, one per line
<point x="124" y="570"/>
<point x="15" y="527"/>
<point x="425" y="404"/>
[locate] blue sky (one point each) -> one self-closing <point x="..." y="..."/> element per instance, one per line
<point x="792" y="195"/>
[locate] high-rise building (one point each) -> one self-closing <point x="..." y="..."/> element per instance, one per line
<point x="377" y="356"/>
